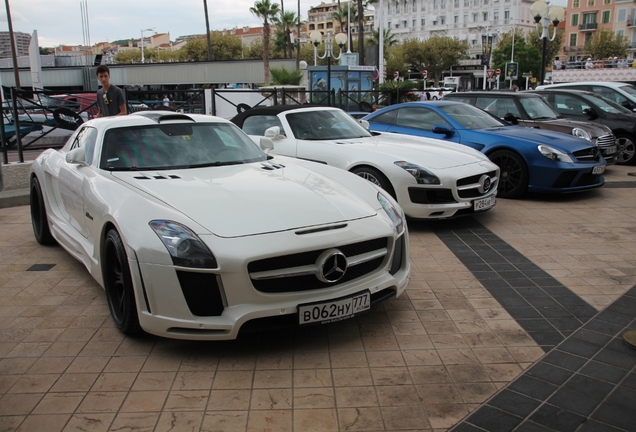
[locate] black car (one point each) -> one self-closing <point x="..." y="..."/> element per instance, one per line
<point x="531" y="110"/>
<point x="587" y="106"/>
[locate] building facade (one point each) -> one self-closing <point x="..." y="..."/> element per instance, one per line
<point x="22" y="42"/>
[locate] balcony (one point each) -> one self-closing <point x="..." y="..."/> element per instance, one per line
<point x="631" y="22"/>
<point x="588" y="26"/>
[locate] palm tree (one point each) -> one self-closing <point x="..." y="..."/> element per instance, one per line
<point x="266" y="11"/>
<point x="284" y="23"/>
<point x="389" y="38"/>
<point x="342" y="16"/>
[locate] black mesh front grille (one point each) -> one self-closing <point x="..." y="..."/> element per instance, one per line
<point x="202" y="293"/>
<point x="310" y="282"/>
<point x="431" y="196"/>
<point x="591" y="154"/>
<point x="565" y="179"/>
<point x="474" y="179"/>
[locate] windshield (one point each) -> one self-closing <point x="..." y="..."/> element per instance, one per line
<point x="325" y="125"/>
<point x="606" y="105"/>
<point x="537" y="108"/>
<point x="177" y="146"/>
<point x="470" y="117"/>
<point x="629" y="88"/>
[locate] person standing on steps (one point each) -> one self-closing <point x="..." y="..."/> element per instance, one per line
<point x="110" y="98"/>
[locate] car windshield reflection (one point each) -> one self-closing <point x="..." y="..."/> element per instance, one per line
<point x="177" y="146"/>
<point x="325" y="125"/>
<point x="470" y="117"/>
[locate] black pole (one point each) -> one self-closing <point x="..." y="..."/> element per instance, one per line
<point x="2" y="133"/>
<point x="207" y="29"/>
<point x="543" y="52"/>
<point x="14" y="56"/>
<point x="329" y="78"/>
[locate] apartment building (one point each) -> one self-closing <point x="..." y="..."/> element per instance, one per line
<point x="464" y="19"/>
<point x="22" y="42"/>
<point x="585" y="17"/>
<point x="321" y="18"/>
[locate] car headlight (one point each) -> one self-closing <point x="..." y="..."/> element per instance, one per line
<point x="393" y="213"/>
<point x="421" y="174"/>
<point x="554" y="154"/>
<point x="578" y="132"/>
<point x="184" y="246"/>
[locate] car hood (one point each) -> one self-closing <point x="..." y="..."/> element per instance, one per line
<point x="433" y="153"/>
<point x="241" y="200"/>
<point x="561" y="124"/>
<point x="538" y="136"/>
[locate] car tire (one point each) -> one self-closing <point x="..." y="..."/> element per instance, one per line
<point x="626" y="149"/>
<point x="39" y="220"/>
<point x="118" y="285"/>
<point x="375" y="177"/>
<point x="513" y="177"/>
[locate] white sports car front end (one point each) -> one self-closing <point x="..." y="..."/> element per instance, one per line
<point x="195" y="233"/>
<point x="429" y="178"/>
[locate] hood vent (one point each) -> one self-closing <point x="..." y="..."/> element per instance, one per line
<point x="315" y="230"/>
<point x="157" y="177"/>
<point x="271" y="166"/>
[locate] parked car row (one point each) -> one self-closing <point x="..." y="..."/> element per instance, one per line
<point x="197" y="229"/>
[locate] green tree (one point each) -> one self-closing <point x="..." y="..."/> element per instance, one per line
<point x="128" y="56"/>
<point x="552" y="47"/>
<point x="398" y="91"/>
<point x="605" y="43"/>
<point x="225" y="47"/>
<point x="528" y="57"/>
<point x="194" y="50"/>
<point x="395" y="62"/>
<point x="284" y="23"/>
<point x="436" y="54"/>
<point x="266" y="11"/>
<point x="284" y="76"/>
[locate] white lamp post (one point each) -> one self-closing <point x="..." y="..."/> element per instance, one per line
<point x="316" y="37"/>
<point x="544" y="15"/>
<point x="142" y="43"/>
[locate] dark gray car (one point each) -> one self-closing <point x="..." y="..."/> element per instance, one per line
<point x="531" y="110"/>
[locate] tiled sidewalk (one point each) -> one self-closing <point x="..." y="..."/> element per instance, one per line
<point x="422" y="362"/>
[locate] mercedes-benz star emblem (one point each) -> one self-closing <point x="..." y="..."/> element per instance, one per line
<point x="333" y="266"/>
<point x="484" y="184"/>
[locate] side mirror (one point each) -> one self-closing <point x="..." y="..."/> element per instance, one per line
<point x="510" y="118"/>
<point x="273" y="133"/>
<point x="591" y="112"/>
<point x="443" y="129"/>
<point x="76" y="156"/>
<point x="365" y="124"/>
<point x="267" y="144"/>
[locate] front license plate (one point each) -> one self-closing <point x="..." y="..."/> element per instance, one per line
<point x="484" y="203"/>
<point x="611" y="150"/>
<point x="335" y="310"/>
<point x="598" y="169"/>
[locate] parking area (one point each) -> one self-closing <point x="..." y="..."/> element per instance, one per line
<point x="512" y="319"/>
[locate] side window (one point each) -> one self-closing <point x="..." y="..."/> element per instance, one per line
<point x="498" y="107"/>
<point x="610" y="94"/>
<point x="86" y="138"/>
<point x="257" y="125"/>
<point x="460" y="99"/>
<point x="386" y="118"/>
<point x="568" y="105"/>
<point x="419" y="118"/>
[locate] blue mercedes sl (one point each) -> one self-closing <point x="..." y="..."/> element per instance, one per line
<point x="531" y="160"/>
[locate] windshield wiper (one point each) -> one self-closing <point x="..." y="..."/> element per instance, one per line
<point x="544" y="118"/>
<point x="215" y="163"/>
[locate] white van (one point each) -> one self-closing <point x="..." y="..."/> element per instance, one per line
<point x="622" y="93"/>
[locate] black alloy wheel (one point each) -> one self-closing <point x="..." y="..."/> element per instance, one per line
<point x="513" y="177"/>
<point x="39" y="220"/>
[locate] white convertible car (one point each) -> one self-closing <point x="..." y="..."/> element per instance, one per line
<point x="429" y="178"/>
<point x="196" y="233"/>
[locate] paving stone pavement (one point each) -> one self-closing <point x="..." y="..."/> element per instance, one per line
<point x="457" y="350"/>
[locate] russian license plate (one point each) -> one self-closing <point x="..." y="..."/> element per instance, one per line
<point x="335" y="310"/>
<point x="598" y="169"/>
<point x="484" y="203"/>
<point x="611" y="150"/>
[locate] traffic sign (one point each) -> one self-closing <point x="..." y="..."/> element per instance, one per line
<point x="490" y="72"/>
<point x="424" y="73"/>
<point x="498" y="72"/>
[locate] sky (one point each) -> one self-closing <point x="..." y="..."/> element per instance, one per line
<point x="59" y="22"/>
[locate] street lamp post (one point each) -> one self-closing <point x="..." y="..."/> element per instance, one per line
<point x="544" y="15"/>
<point x="486" y="50"/>
<point x="316" y="37"/>
<point x="142" y="43"/>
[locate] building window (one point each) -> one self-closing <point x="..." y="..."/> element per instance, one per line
<point x="573" y="39"/>
<point x="620" y="33"/>
<point x="607" y="2"/>
<point x="466" y="2"/>
<point x="507" y="15"/>
<point x="495" y="16"/>
<point x="435" y="4"/>
<point x="456" y="19"/>
<point x="576" y="3"/>
<point x="442" y="19"/>
<point x="475" y="17"/>
<point x="442" y="4"/>
<point x="456" y="3"/>
<point x="591" y="2"/>
<point x="575" y="19"/>
<point x="465" y="18"/>
<point x="622" y="15"/>
<point x="606" y="17"/>
<point x="485" y="16"/>
<point x="404" y="24"/>
<point x="423" y="22"/>
<point x="414" y="23"/>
